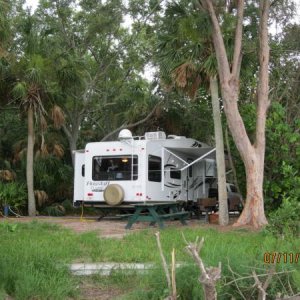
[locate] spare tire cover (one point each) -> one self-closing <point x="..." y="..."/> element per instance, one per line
<point x="113" y="194"/>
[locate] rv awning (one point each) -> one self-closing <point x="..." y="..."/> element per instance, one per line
<point x="194" y="153"/>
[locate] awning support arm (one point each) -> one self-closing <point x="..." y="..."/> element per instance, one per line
<point x="176" y="156"/>
<point x="199" y="158"/>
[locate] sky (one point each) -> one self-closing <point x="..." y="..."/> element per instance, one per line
<point x="32" y="3"/>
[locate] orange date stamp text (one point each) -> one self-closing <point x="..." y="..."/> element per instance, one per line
<point x="281" y="257"/>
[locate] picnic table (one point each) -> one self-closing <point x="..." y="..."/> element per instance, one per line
<point x="156" y="213"/>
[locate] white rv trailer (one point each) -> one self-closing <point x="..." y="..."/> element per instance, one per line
<point x="151" y="168"/>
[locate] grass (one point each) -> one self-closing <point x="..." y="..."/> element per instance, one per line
<point x="35" y="256"/>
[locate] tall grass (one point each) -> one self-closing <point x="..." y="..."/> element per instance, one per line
<point x="34" y="261"/>
<point x="240" y="252"/>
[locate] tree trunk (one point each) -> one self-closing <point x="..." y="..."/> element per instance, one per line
<point x="72" y="136"/>
<point x="232" y="166"/>
<point x="29" y="164"/>
<point x="253" y="159"/>
<point x="73" y="146"/>
<point x="222" y="192"/>
<point x="253" y="212"/>
<point x="229" y="74"/>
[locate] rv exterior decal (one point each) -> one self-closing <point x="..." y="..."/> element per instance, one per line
<point x="196" y="145"/>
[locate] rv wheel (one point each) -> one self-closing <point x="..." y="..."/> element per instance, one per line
<point x="113" y="194"/>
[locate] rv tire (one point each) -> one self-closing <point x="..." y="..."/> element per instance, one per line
<point x="113" y="194"/>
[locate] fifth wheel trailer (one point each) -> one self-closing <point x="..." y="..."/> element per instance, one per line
<point x="149" y="168"/>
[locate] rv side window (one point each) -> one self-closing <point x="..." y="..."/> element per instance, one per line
<point x="83" y="170"/>
<point x="210" y="168"/>
<point x="154" y="168"/>
<point x="119" y="167"/>
<point x="175" y="174"/>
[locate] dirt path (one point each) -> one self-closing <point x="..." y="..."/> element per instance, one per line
<point x="111" y="228"/>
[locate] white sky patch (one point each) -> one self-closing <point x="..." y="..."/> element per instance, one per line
<point x="127" y="22"/>
<point x="32" y="4"/>
<point x="149" y="72"/>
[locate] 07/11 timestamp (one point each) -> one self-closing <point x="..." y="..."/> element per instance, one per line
<point x="277" y="257"/>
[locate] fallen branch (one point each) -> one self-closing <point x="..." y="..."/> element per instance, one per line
<point x="261" y="285"/>
<point x="173" y="273"/>
<point x="164" y="263"/>
<point x="259" y="275"/>
<point x="235" y="281"/>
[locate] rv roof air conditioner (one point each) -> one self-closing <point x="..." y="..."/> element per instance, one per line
<point x="125" y="134"/>
<point x="176" y="137"/>
<point x="157" y="135"/>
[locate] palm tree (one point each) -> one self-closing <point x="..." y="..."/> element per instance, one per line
<point x="29" y="95"/>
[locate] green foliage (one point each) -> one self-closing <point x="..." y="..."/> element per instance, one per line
<point x="12" y="129"/>
<point x="284" y="222"/>
<point x="10" y="227"/>
<point x="54" y="176"/>
<point x="282" y="154"/>
<point x="55" y="210"/>
<point x="13" y="194"/>
<point x="282" y="157"/>
<point x="20" y="90"/>
<point x="68" y="206"/>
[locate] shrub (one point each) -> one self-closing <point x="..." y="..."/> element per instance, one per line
<point x="55" y="210"/>
<point x="13" y="194"/>
<point x="68" y="206"/>
<point x="284" y="222"/>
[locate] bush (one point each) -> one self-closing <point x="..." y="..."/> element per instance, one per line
<point x="68" y="206"/>
<point x="284" y="222"/>
<point x="55" y="210"/>
<point x="13" y="194"/>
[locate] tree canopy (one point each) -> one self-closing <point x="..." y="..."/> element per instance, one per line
<point x="80" y="66"/>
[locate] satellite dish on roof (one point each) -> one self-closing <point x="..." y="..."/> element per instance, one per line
<point x="125" y="134"/>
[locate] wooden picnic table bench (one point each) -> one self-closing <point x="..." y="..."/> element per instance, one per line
<point x="156" y="213"/>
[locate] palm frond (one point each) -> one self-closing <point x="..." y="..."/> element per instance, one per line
<point x="58" y="151"/>
<point x="43" y="123"/>
<point x="192" y="91"/>
<point x="33" y="100"/>
<point x="20" y="90"/>
<point x="7" y="175"/>
<point x="57" y="116"/>
<point x="44" y="151"/>
<point x="182" y="73"/>
<point x="33" y="75"/>
<point x="41" y="197"/>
